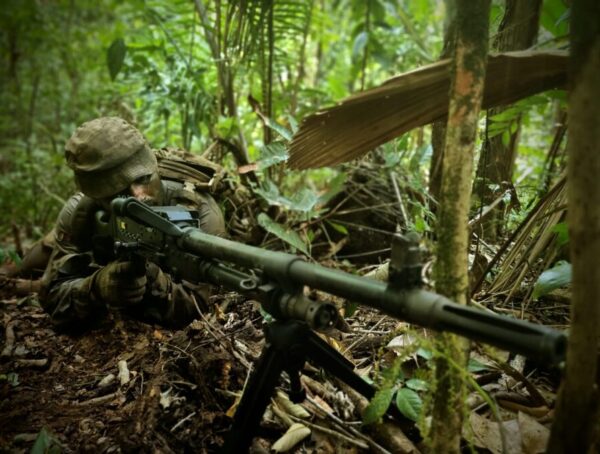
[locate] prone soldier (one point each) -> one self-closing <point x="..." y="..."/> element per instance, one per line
<point x="84" y="280"/>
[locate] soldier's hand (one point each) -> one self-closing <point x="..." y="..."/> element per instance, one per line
<point x="120" y="284"/>
<point x="159" y="284"/>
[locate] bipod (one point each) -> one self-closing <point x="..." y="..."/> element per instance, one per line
<point x="289" y="344"/>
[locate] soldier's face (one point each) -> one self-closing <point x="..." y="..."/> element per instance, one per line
<point x="146" y="188"/>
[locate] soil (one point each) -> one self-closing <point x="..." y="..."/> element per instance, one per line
<point x="179" y="398"/>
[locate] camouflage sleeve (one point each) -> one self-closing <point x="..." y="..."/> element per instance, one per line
<point x="68" y="280"/>
<point x="66" y="293"/>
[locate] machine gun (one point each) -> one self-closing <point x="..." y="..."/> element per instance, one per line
<point x="167" y="236"/>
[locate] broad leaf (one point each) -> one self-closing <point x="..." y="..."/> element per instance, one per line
<point x="477" y="366"/>
<point x="271" y="154"/>
<point x="303" y="200"/>
<point x="378" y="405"/>
<point x="281" y="232"/>
<point x="556" y="277"/>
<point x="417" y="385"/>
<point x="115" y="57"/>
<point x="409" y="403"/>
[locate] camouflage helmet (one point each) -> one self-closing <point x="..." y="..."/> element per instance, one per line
<point x="107" y="154"/>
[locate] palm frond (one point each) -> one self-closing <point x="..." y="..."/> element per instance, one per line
<point x="370" y="118"/>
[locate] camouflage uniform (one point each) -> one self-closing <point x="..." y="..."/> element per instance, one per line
<point x="106" y="155"/>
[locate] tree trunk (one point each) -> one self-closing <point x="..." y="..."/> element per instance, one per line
<point x="518" y="31"/>
<point x="438" y="129"/>
<point x="451" y="271"/>
<point x="576" y="425"/>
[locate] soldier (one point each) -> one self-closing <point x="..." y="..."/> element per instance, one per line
<point x="83" y="280"/>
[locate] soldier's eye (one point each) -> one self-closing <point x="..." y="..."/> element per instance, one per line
<point x="143" y="180"/>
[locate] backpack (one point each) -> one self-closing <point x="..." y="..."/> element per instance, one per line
<point x="193" y="171"/>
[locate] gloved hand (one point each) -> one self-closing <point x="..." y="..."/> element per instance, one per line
<point x="120" y="284"/>
<point x="159" y="283"/>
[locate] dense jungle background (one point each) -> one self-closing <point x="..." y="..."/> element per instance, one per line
<point x="494" y="165"/>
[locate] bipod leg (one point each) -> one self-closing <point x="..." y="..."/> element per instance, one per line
<point x="284" y="351"/>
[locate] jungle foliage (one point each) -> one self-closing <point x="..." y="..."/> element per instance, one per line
<point x="237" y="78"/>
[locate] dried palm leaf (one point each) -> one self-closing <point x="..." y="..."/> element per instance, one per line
<point x="370" y="118"/>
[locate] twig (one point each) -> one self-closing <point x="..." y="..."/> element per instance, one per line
<point x="372" y="443"/>
<point x="187" y="418"/>
<point x="32" y="362"/>
<point x="332" y="433"/>
<point x="52" y="195"/>
<point x="225" y="338"/>
<point x="10" y="340"/>
<point x="361" y="338"/>
<point x="397" y="191"/>
<point x="362" y="254"/>
<point x="99" y="400"/>
<point x="488" y="209"/>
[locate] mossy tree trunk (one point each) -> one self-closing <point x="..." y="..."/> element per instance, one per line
<point x="518" y="31"/>
<point x="577" y="421"/>
<point x="438" y="129"/>
<point x="451" y="271"/>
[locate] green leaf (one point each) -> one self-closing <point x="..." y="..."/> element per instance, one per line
<point x="115" y="57"/>
<point x="338" y="227"/>
<point x="281" y="232"/>
<point x="45" y="443"/>
<point x="476" y="366"/>
<point x="417" y="385"/>
<point x="282" y="131"/>
<point x="225" y="126"/>
<point x="11" y="378"/>
<point x="293" y="123"/>
<point x="359" y="44"/>
<point x="350" y="308"/>
<point x="562" y="233"/>
<point x="271" y="154"/>
<point x="426" y="354"/>
<point x="409" y="403"/>
<point x="265" y="315"/>
<point x="556" y="277"/>
<point x="553" y="12"/>
<point x="378" y="405"/>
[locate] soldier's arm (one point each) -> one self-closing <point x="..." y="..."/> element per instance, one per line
<point x="67" y="282"/>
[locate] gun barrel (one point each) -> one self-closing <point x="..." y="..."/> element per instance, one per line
<point x="417" y="306"/>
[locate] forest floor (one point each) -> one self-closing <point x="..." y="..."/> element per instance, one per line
<point x="181" y="387"/>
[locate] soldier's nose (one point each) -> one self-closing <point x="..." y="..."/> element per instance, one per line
<point x="138" y="191"/>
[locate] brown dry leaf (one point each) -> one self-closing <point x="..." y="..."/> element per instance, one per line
<point x="330" y="340"/>
<point x="294" y="435"/>
<point x="157" y="335"/>
<point x="370" y="118"/>
<point x="534" y="436"/>
<point x="322" y="404"/>
<point x="486" y="434"/>
<point x="231" y="411"/>
<point x="401" y="342"/>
